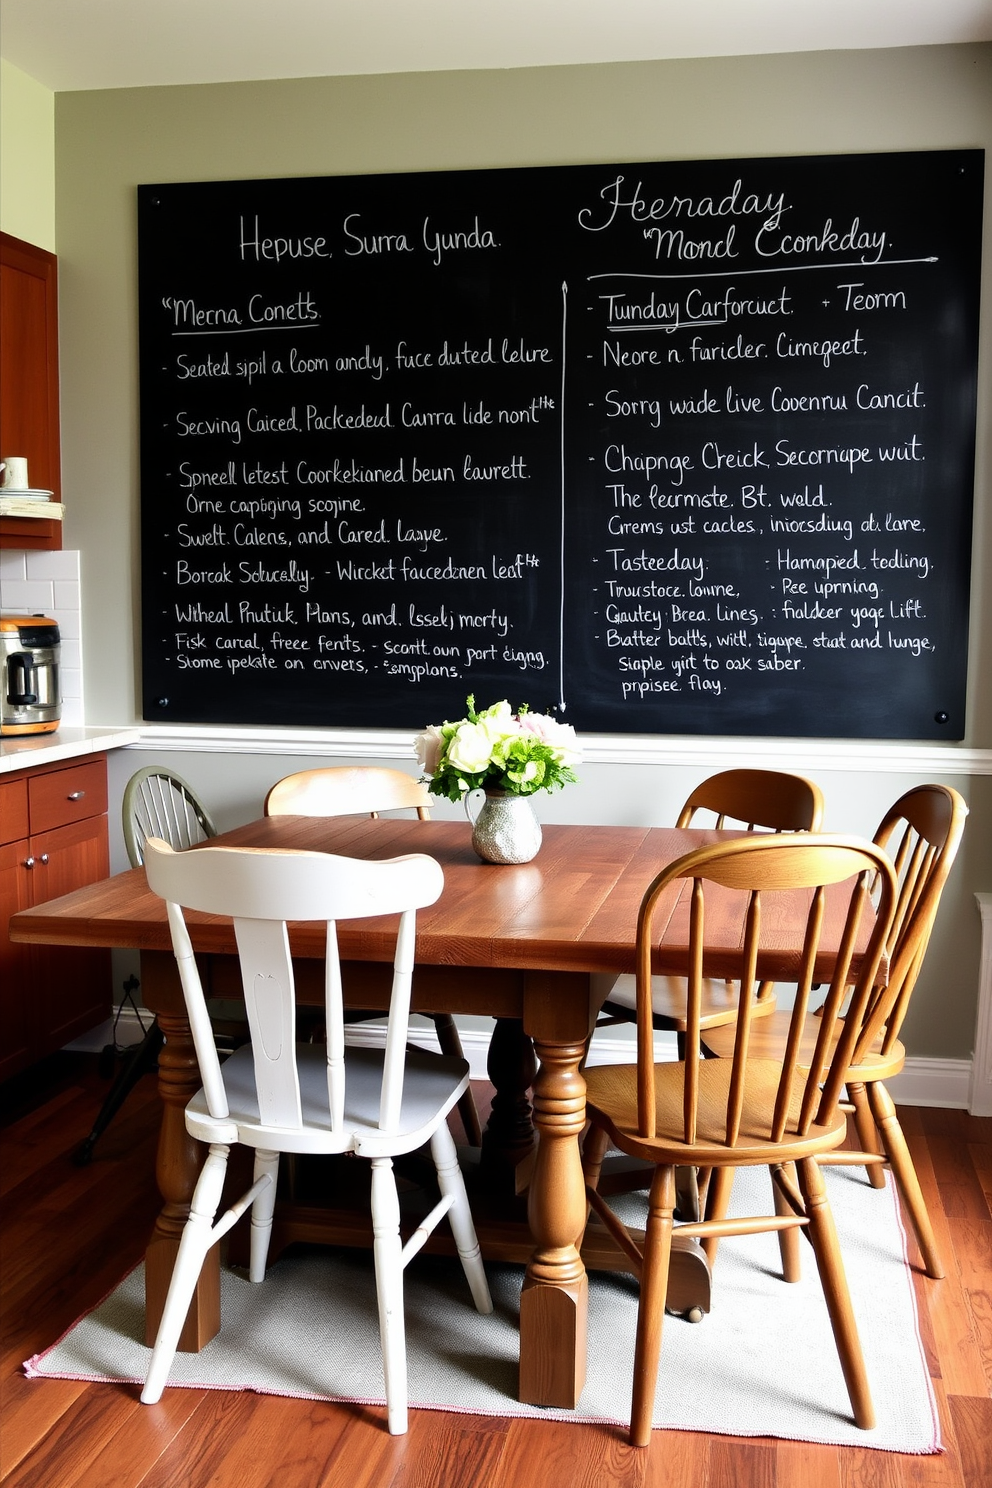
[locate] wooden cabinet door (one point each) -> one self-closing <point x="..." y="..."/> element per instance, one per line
<point x="71" y="986"/>
<point x="16" y="995"/>
<point x="29" y="381"/>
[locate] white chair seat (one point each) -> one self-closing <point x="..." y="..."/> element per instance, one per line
<point x="433" y="1085"/>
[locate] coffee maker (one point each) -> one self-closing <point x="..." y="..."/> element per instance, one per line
<point x="30" y="702"/>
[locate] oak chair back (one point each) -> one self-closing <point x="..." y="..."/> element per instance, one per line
<point x="758" y="869"/>
<point x="342" y="789"/>
<point x="759" y="800"/>
<point x="922" y="833"/>
<point x="772" y="800"/>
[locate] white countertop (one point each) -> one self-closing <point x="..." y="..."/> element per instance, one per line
<point x="21" y="751"/>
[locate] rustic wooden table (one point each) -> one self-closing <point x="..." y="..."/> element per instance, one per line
<point x="536" y="946"/>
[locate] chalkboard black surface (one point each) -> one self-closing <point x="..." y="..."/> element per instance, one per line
<point x="672" y="447"/>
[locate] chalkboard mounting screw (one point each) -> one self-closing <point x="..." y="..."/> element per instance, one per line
<point x="161" y="702"/>
<point x="941" y="717"/>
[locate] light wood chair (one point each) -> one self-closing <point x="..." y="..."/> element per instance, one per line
<point x="725" y="1114"/>
<point x="341" y="790"/>
<point x="757" y="800"/>
<point x="922" y="832"/>
<point x="279" y="1096"/>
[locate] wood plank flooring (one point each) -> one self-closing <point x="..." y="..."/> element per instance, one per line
<point x="68" y="1234"/>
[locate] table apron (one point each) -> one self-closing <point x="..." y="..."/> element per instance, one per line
<point x="554" y="1006"/>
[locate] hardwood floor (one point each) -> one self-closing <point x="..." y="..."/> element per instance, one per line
<point x="68" y="1234"/>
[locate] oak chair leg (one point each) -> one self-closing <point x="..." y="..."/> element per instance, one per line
<point x="718" y="1189"/>
<point x="594" y="1149"/>
<point x="788" y="1240"/>
<point x="867" y="1131"/>
<point x="826" y="1247"/>
<point x="898" y="1154"/>
<point x="651" y="1308"/>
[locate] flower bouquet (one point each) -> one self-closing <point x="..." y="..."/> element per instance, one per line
<point x="496" y="749"/>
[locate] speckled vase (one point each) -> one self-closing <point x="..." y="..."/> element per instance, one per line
<point x="506" y="829"/>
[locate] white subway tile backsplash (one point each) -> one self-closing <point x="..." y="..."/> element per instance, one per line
<point x="63" y="564"/>
<point x="66" y="595"/>
<point x="47" y="583"/>
<point x="13" y="569"/>
<point x="68" y="623"/>
<point x="69" y="650"/>
<point x="27" y="596"/>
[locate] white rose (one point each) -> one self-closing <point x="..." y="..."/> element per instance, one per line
<point x="427" y="747"/>
<point x="471" y="749"/>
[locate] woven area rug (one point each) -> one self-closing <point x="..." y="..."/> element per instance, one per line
<point x="762" y="1363"/>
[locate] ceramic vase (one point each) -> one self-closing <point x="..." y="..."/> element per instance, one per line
<point x="506" y="829"/>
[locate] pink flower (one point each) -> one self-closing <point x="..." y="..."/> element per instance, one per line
<point x="558" y="736"/>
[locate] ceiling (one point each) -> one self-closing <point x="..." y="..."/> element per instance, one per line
<point x="77" y="44"/>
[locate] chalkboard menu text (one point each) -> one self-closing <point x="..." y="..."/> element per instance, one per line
<point x="669" y="447"/>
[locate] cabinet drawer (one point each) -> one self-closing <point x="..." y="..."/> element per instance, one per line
<point x="13" y="810"/>
<point x="59" y="797"/>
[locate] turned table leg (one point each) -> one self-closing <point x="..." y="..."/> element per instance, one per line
<point x="178" y="1164"/>
<point x="554" y="1299"/>
<point x="509" y="1134"/>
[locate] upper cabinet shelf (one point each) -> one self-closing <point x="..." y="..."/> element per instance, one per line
<point x="29" y="381"/>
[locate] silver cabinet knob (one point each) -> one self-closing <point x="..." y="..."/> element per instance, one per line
<point x="76" y="795"/>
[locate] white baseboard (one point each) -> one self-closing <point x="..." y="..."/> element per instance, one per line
<point x="129" y="1031"/>
<point x="924" y="1082"/>
<point x="932" y="1082"/>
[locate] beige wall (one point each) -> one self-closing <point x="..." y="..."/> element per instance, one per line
<point x="109" y="142"/>
<point x="27" y="158"/>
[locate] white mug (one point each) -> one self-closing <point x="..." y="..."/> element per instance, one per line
<point x="15" y="473"/>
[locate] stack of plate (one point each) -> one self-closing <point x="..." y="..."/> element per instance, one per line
<point x="29" y="503"/>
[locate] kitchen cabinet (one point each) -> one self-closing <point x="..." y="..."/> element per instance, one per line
<point x="29" y="381"/>
<point x="53" y="839"/>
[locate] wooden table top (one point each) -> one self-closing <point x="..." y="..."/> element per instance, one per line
<point x="574" y="908"/>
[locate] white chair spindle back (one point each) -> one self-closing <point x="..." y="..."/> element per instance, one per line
<point x="261" y="890"/>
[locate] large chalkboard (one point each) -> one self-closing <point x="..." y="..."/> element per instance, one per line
<point x="676" y="448"/>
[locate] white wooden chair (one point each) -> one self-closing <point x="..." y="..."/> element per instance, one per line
<point x="278" y="1096"/>
<point x="159" y="803"/>
<point x="341" y="790"/>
